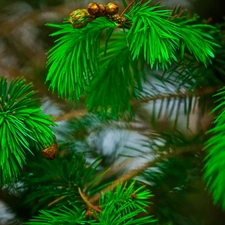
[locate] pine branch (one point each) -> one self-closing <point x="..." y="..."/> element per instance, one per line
<point x="152" y="31"/>
<point x="182" y="94"/>
<point x="23" y="127"/>
<point x="73" y="114"/>
<point x="136" y="172"/>
<point x="214" y="167"/>
<point x="153" y="35"/>
<point x="60" y="180"/>
<point x="118" y="207"/>
<point x="117" y="71"/>
<point x="73" y="61"/>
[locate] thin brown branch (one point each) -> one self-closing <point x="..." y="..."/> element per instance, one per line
<point x="184" y="94"/>
<point x="56" y="200"/>
<point x="124" y="11"/>
<point x="70" y="115"/>
<point x="198" y="93"/>
<point x="89" y="204"/>
<point x="136" y="172"/>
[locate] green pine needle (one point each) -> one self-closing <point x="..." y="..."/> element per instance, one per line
<point x="198" y="41"/>
<point x="118" y="207"/>
<point x="160" y="36"/>
<point x="58" y="178"/>
<point x="73" y="61"/>
<point x="23" y="126"/>
<point x="119" y="75"/>
<point x="124" y="204"/>
<point x="215" y="164"/>
<point x="155" y="34"/>
<point x="64" y="216"/>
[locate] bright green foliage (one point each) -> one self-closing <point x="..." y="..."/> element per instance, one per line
<point x="23" y="127"/>
<point x="80" y="64"/>
<point x="138" y="198"/>
<point x="110" y="74"/>
<point x="160" y="36"/>
<point x="73" y="61"/>
<point x="152" y="31"/>
<point x="215" y="146"/>
<point x="198" y="41"/>
<point x="117" y="80"/>
<point x="117" y="207"/>
<point x="123" y="204"/>
<point x="64" y="216"/>
<point x="197" y="38"/>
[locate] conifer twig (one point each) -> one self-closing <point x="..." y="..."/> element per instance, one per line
<point x="96" y="208"/>
<point x="124" y="11"/>
<point x="128" y="176"/>
<point x="56" y="200"/>
<point x="70" y="115"/>
<point x="198" y="93"/>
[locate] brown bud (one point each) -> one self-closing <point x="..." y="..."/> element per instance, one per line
<point x="80" y="18"/>
<point x="111" y="8"/>
<point x="120" y="20"/>
<point x="102" y="10"/>
<point x="50" y="152"/>
<point x="93" y="8"/>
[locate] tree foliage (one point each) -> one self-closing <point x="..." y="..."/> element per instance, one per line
<point x="146" y="54"/>
<point x="77" y="65"/>
<point x="214" y="167"/>
<point x="24" y="128"/>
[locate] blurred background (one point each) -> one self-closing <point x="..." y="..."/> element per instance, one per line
<point x="24" y="41"/>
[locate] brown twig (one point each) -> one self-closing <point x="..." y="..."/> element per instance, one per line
<point x="198" y="93"/>
<point x="184" y="94"/>
<point x="90" y="205"/>
<point x="70" y="115"/>
<point x="56" y="200"/>
<point x="124" y="11"/>
<point x="134" y="173"/>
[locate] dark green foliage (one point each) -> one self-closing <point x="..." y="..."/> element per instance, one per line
<point x="57" y="178"/>
<point x="117" y="207"/>
<point x="23" y="127"/>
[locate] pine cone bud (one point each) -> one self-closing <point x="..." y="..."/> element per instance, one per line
<point x="50" y="152"/>
<point x="120" y="20"/>
<point x="93" y="8"/>
<point x="112" y="8"/>
<point x="102" y="10"/>
<point x="80" y="18"/>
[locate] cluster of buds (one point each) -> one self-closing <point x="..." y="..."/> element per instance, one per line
<point x="81" y="17"/>
<point x="96" y="9"/>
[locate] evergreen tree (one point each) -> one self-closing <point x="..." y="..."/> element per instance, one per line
<point x="117" y="62"/>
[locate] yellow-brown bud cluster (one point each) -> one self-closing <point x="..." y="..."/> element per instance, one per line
<point x="81" y="17"/>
